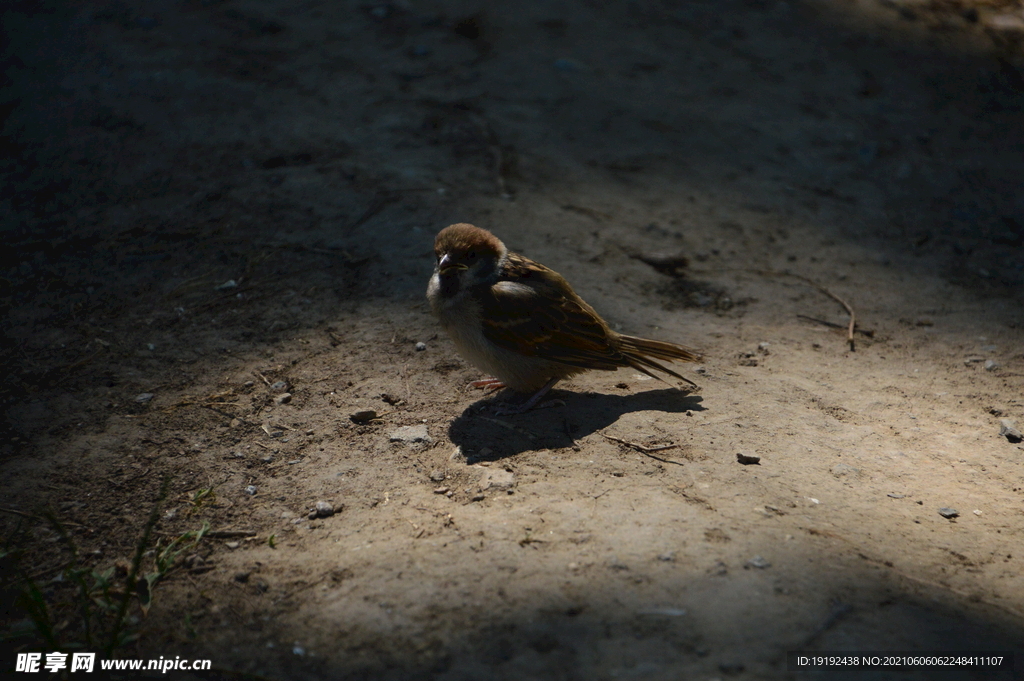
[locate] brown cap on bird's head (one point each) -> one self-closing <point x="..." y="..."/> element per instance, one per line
<point x="462" y="238"/>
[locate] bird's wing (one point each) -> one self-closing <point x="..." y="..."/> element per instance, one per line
<point x="533" y="311"/>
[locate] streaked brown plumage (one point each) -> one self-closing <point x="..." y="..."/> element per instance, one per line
<point x="523" y="323"/>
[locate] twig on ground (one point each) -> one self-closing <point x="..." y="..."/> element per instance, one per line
<point x="644" y="449"/>
<point x="230" y="534"/>
<point x="810" y="282"/>
<point x="853" y="317"/>
<point x="869" y="333"/>
<point x="15" y="511"/>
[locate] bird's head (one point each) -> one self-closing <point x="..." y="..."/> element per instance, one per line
<point x="467" y="255"/>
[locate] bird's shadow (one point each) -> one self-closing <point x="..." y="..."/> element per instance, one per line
<point x="484" y="435"/>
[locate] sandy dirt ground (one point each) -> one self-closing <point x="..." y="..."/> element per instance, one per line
<point x="218" y="218"/>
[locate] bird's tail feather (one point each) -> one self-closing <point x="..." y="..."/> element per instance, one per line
<point x="641" y="353"/>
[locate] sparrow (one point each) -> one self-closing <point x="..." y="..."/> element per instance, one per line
<point x="521" y="321"/>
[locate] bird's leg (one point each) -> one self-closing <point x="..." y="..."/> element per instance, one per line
<point x="528" y="404"/>
<point x="488" y="383"/>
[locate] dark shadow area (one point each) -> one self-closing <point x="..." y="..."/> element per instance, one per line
<point x="129" y="184"/>
<point x="555" y="427"/>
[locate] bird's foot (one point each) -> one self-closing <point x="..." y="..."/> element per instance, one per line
<point x="530" y="403"/>
<point x="487" y="384"/>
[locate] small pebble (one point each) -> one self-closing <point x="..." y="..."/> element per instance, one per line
<point x="410" y="434"/>
<point x="363" y="416"/>
<point x="242" y="577"/>
<point x="248" y="384"/>
<point x="250" y="490"/>
<point x="763" y="348"/>
<point x="420" y="347"/>
<point x="672" y="264"/>
<point x="437" y="475"/>
<point x="143" y="398"/>
<point x="283" y="398"/>
<point x="897" y="496"/>
<point x="324" y="509"/>
<point x="758" y="562"/>
<point x="279" y="386"/>
<point x="949" y="513"/>
<point x="976" y="512"/>
<point x="497" y="479"/>
<point x="748" y="460"/>
<point x="232" y="544"/>
<point x="841" y="469"/>
<point x="1008" y="429"/>
<point x="298" y="650"/>
<point x="230" y="283"/>
<point x="990" y="365"/>
<point x="441" y="490"/>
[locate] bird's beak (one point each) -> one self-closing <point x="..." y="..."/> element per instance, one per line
<point x="445" y="264"/>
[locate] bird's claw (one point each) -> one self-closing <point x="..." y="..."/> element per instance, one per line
<point x="487" y="384"/>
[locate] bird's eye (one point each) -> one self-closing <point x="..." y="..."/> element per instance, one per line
<point x="471" y="255"/>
